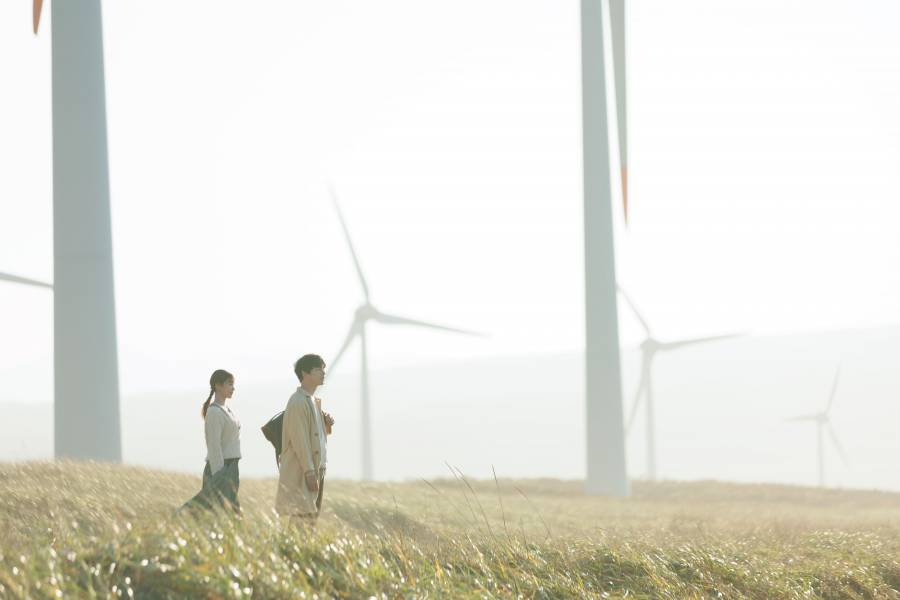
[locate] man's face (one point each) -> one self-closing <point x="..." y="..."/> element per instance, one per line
<point x="316" y="376"/>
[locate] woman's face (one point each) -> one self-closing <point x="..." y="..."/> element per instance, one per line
<point x="225" y="390"/>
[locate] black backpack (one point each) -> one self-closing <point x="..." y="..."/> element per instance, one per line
<point x="272" y="431"/>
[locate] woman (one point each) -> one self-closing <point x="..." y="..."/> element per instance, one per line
<point x="221" y="478"/>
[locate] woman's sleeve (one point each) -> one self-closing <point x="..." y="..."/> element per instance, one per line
<point x="296" y="429"/>
<point x="214" y="426"/>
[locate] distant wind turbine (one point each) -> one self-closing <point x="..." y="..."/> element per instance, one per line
<point x="85" y="359"/>
<point x="364" y="313"/>
<point x="649" y="347"/>
<point x="823" y="423"/>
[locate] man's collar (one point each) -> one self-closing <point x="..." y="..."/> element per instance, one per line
<point x="308" y="394"/>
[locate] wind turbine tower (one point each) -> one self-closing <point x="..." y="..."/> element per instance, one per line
<point x="85" y="362"/>
<point x="606" y="472"/>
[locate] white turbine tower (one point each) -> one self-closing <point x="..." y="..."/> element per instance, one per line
<point x="606" y="472"/>
<point x="85" y="362"/>
<point x="364" y="313"/>
<point x="649" y="348"/>
<point x="823" y="424"/>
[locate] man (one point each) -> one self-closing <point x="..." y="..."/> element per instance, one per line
<point x="304" y="448"/>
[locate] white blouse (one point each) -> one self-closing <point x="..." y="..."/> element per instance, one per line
<point x="223" y="436"/>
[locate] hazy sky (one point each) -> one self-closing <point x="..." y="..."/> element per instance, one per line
<point x="764" y="144"/>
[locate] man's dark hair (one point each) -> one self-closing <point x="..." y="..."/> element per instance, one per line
<point x="306" y="363"/>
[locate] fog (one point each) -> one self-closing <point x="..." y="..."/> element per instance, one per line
<point x="720" y="415"/>
<point x="763" y="146"/>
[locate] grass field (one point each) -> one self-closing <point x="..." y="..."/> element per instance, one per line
<point x="80" y="530"/>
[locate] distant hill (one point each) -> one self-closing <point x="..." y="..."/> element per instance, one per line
<point x="720" y="415"/>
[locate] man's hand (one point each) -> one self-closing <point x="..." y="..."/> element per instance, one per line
<point x="329" y="421"/>
<point x="312" y="481"/>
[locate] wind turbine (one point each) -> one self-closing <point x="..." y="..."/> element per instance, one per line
<point x="606" y="472"/>
<point x="649" y="348"/>
<point x="823" y="423"/>
<point x="364" y="313"/>
<point x="85" y="362"/>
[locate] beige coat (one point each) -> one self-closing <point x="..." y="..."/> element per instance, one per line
<point x="300" y="454"/>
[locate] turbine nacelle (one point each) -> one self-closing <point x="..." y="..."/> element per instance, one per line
<point x="365" y="313"/>
<point x="650" y="345"/>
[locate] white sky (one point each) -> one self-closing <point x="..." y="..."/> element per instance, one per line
<point x="764" y="144"/>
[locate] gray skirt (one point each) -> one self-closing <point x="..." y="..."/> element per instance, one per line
<point x="220" y="489"/>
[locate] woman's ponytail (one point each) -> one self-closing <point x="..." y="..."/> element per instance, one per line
<point x="203" y="410"/>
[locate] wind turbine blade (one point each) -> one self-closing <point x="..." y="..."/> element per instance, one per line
<point x="691" y="342"/>
<point x="636" y="404"/>
<point x="354" y="330"/>
<point x="395" y="320"/>
<point x="634" y="309"/>
<point x="362" y="278"/>
<point x="837" y="442"/>
<point x="36" y="14"/>
<point x="833" y="390"/>
<point x="16" y="279"/>
<point x="803" y="418"/>
<point x="617" y="28"/>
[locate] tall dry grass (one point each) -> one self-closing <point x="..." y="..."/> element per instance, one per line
<point x="82" y="530"/>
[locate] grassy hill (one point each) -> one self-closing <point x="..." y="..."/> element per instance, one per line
<point x="84" y="530"/>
